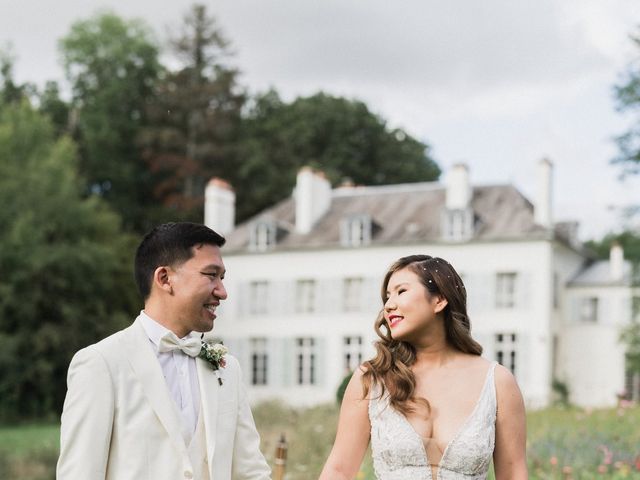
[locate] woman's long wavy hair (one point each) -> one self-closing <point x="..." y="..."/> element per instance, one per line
<point x="390" y="369"/>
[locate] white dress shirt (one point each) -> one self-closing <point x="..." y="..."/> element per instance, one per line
<point x="179" y="370"/>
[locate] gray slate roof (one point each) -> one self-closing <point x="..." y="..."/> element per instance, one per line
<point x="405" y="213"/>
<point x="599" y="274"/>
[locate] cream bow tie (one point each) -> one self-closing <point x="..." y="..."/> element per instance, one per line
<point x="169" y="342"/>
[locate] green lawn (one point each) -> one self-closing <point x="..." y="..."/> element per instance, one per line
<point x="563" y="444"/>
<point x="29" y="452"/>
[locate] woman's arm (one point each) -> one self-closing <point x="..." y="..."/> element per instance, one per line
<point x="353" y="433"/>
<point x="509" y="455"/>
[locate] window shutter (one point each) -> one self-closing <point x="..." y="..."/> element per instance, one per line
<point x="574" y="310"/>
<point x="275" y="362"/>
<point x="239" y="348"/>
<point x="523" y="288"/>
<point x="523" y="358"/>
<point x="242" y="303"/>
<point x="287" y="363"/>
<point x="321" y="358"/>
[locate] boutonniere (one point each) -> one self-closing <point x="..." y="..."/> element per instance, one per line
<point x="214" y="354"/>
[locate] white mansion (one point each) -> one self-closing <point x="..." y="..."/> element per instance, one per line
<point x="304" y="282"/>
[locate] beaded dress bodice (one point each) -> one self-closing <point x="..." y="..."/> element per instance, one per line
<point x="399" y="452"/>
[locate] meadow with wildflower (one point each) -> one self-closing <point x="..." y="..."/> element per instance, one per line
<point x="562" y="443"/>
<point x="570" y="443"/>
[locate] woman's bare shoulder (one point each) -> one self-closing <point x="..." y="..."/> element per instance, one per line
<point x="473" y="363"/>
<point x="504" y="378"/>
<point x="507" y="390"/>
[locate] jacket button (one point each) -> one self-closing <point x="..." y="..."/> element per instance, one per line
<point x="188" y="474"/>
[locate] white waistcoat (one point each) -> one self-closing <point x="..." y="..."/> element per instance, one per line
<point x="198" y="451"/>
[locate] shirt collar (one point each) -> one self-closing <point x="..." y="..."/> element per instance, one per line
<point x="154" y="330"/>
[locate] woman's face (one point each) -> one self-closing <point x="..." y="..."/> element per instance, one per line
<point x="410" y="310"/>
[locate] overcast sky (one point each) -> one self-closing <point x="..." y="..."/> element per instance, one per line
<point x="496" y="84"/>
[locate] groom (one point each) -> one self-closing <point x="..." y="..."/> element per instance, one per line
<point x="141" y="404"/>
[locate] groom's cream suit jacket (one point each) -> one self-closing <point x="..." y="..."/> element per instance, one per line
<point x="119" y="421"/>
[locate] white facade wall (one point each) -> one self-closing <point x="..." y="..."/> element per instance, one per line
<point x="594" y="357"/>
<point x="529" y="319"/>
<point x="567" y="263"/>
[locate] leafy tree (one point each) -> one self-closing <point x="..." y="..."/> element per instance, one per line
<point x="339" y="136"/>
<point x="49" y="99"/>
<point x="11" y="92"/>
<point x="631" y="337"/>
<point x="112" y="65"/>
<point x="195" y="115"/>
<point x="343" y="387"/>
<point x="628" y="240"/>
<point x="66" y="278"/>
<point x="628" y="99"/>
<point x="58" y="110"/>
<point x="627" y="94"/>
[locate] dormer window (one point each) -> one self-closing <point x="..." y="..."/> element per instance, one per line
<point x="356" y="230"/>
<point x="457" y="224"/>
<point x="262" y="236"/>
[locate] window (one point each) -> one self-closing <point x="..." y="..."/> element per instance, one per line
<point x="505" y="290"/>
<point x="506" y="350"/>
<point x="351" y="294"/>
<point x="457" y="224"/>
<point x="262" y="236"/>
<point x="635" y="308"/>
<point x="258" y="297"/>
<point x="306" y="361"/>
<point x="631" y="385"/>
<point x="259" y="361"/>
<point x="352" y="353"/>
<point x="589" y="310"/>
<point x="355" y="231"/>
<point x="305" y="296"/>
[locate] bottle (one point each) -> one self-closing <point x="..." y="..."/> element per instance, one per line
<point x="281" y="458"/>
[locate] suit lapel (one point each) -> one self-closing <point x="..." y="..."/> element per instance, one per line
<point x="209" y="389"/>
<point x="147" y="369"/>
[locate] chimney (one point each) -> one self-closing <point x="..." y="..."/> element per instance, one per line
<point x="616" y="262"/>
<point x="542" y="206"/>
<point x="312" y="197"/>
<point x="219" y="206"/>
<point x="458" y="188"/>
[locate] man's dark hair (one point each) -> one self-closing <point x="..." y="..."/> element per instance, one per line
<point x="169" y="244"/>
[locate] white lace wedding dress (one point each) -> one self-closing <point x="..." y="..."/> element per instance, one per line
<point x="399" y="452"/>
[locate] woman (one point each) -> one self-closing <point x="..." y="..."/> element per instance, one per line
<point x="432" y="407"/>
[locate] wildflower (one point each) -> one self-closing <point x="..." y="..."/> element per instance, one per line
<point x="608" y="454"/>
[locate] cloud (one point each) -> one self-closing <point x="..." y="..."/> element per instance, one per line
<point x="455" y="46"/>
<point x="495" y="83"/>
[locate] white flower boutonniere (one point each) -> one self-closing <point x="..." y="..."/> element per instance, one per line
<point x="214" y="354"/>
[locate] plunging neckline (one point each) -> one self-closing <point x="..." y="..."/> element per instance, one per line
<point x="459" y="431"/>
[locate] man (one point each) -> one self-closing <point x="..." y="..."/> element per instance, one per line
<point x="137" y="406"/>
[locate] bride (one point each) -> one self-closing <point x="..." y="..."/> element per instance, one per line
<point x="431" y="406"/>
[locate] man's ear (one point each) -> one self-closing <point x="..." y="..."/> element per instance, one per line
<point x="441" y="303"/>
<point x="162" y="279"/>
